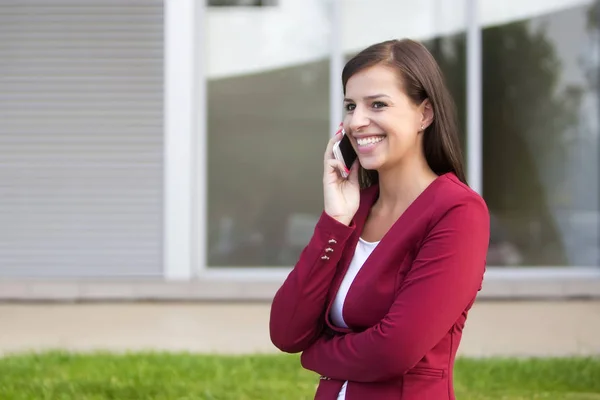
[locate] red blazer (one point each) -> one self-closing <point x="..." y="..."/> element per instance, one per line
<point x="407" y="306"/>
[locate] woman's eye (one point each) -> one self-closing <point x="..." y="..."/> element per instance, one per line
<point x="350" y="107"/>
<point x="379" y="104"/>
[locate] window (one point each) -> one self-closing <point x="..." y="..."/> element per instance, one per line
<point x="540" y="140"/>
<point x="268" y="121"/>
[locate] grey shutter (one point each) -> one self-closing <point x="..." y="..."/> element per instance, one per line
<point x="81" y="138"/>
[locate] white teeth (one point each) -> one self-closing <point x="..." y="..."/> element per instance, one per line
<point x="369" y="140"/>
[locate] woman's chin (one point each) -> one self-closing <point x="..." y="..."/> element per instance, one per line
<point x="370" y="164"/>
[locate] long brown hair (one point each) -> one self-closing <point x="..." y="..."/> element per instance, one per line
<point x="421" y="79"/>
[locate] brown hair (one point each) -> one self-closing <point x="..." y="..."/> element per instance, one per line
<point x="422" y="79"/>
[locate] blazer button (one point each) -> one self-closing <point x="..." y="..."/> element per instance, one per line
<point x="332" y="241"/>
<point x="328" y="250"/>
<point x="324" y="258"/>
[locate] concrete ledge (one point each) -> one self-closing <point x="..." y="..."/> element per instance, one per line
<point x="135" y="290"/>
<point x="501" y="328"/>
<point x="224" y="289"/>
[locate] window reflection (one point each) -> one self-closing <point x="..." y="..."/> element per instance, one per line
<point x="267" y="132"/>
<point x="540" y="138"/>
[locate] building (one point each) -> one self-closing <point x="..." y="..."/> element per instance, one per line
<point x="172" y="149"/>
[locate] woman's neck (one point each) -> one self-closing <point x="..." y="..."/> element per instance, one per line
<point x="401" y="185"/>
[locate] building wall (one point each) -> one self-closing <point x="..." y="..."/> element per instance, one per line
<point x="81" y="138"/>
<point x="174" y="140"/>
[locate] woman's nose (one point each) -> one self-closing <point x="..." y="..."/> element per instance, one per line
<point x="358" y="119"/>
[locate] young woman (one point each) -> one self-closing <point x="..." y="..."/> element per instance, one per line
<point x="379" y="297"/>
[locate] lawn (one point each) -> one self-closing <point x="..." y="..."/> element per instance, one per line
<point x="177" y="376"/>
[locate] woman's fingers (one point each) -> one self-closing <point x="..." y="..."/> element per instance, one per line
<point x="335" y="138"/>
<point x="334" y="164"/>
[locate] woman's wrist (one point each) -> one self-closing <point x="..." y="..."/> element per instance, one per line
<point x="342" y="219"/>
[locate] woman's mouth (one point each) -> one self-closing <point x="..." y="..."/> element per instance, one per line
<point x="366" y="144"/>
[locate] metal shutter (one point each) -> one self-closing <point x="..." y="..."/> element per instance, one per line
<point x="81" y="138"/>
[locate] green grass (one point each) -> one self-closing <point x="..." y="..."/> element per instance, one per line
<point x="176" y="376"/>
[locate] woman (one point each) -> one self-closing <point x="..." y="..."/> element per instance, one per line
<point x="379" y="297"/>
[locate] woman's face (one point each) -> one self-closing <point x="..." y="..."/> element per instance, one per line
<point x="381" y="120"/>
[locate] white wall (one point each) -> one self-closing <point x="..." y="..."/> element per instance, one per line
<point x="246" y="40"/>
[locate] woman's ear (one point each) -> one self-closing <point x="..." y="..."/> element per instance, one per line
<point x="427" y="114"/>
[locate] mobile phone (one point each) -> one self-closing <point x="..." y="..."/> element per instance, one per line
<point x="344" y="152"/>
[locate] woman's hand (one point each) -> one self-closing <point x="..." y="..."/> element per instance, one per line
<point x="342" y="196"/>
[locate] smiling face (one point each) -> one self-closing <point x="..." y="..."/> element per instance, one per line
<point x="383" y="123"/>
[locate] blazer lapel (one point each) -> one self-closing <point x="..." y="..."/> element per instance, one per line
<point x="368" y="198"/>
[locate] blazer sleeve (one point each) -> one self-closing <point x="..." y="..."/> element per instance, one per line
<point x="444" y="279"/>
<point x="296" y="318"/>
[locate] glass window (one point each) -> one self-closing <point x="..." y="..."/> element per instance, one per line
<point x="268" y="121"/>
<point x="540" y="139"/>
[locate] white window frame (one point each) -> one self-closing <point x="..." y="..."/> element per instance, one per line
<point x="180" y="71"/>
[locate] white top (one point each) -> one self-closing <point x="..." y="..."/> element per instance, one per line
<point x="362" y="252"/>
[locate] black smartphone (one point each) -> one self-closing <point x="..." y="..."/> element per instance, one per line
<point x="343" y="151"/>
